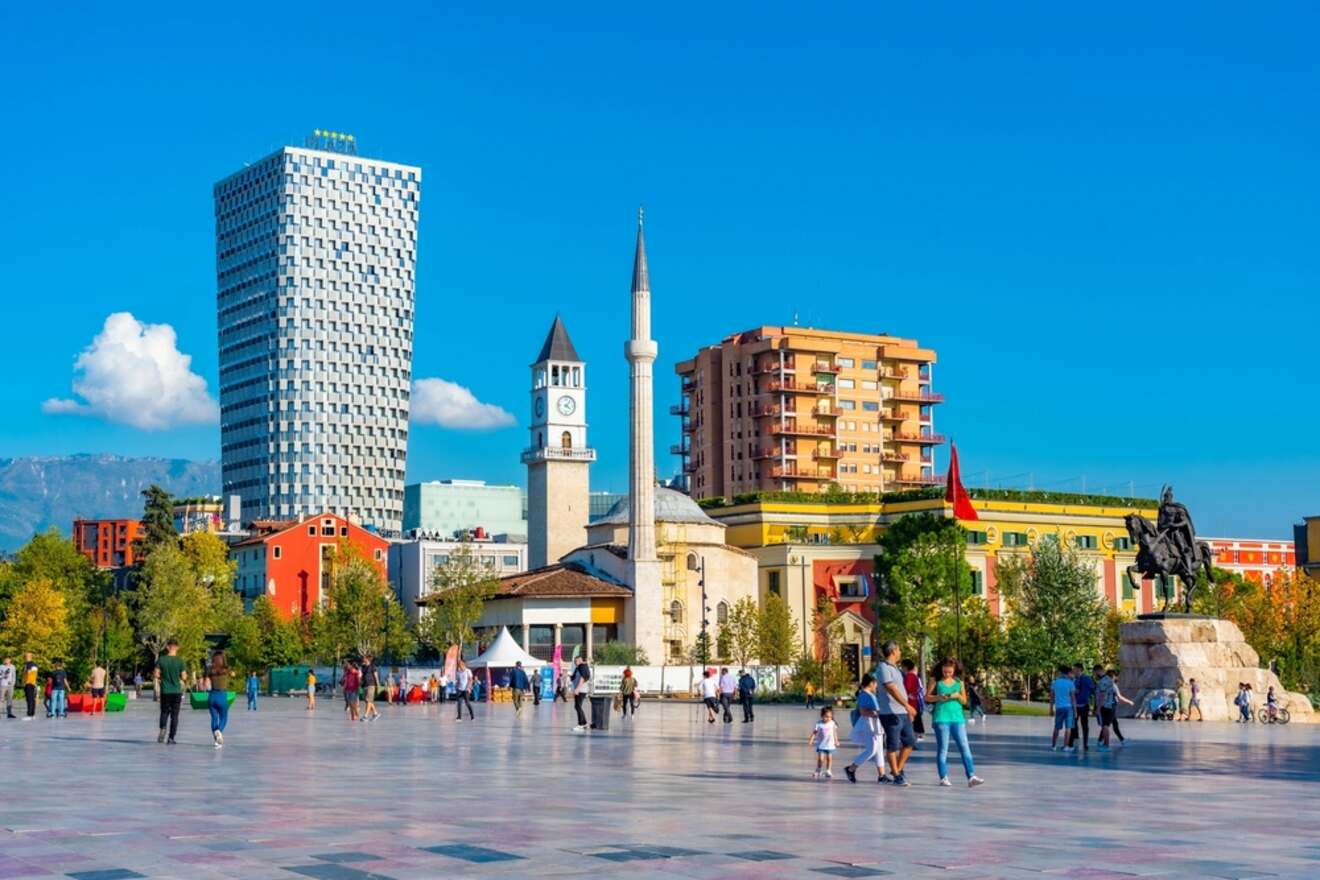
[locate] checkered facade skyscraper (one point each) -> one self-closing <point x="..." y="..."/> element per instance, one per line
<point x="315" y="258"/>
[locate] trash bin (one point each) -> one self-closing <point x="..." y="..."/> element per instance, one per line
<point x="600" y="713"/>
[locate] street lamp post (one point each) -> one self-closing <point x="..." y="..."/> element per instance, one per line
<point x="705" y="644"/>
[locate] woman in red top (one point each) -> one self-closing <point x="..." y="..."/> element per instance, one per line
<point x="916" y="697"/>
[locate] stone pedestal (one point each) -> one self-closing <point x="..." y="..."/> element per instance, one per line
<point x="1154" y="654"/>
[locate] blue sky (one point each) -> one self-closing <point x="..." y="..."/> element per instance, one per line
<point x="1028" y="189"/>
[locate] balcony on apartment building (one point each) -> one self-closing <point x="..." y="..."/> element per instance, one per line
<point x="679" y="409"/>
<point x="825" y="454"/>
<point x="910" y="437"/>
<point x="766" y="452"/>
<point x="797" y="473"/>
<point x="763" y="368"/>
<point x="680" y="449"/>
<point x="824" y="412"/>
<point x="762" y="410"/>
<point x="915" y="480"/>
<point x="793" y="429"/>
<point x="824" y="367"/>
<point x="889" y="455"/>
<point x="688" y="384"/>
<point x="894" y="373"/>
<point x="894" y="414"/>
<point x="799" y="387"/>
<point x="917" y="396"/>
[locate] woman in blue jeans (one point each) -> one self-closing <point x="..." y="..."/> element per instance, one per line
<point x="947" y="697"/>
<point x="217" y="701"/>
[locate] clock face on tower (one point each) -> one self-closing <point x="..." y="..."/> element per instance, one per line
<point x="540" y="407"/>
<point x="566" y="405"/>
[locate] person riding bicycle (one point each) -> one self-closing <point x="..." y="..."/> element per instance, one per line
<point x="1271" y="704"/>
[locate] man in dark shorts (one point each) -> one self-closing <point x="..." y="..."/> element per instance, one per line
<point x="171" y="676"/>
<point x="896" y="713"/>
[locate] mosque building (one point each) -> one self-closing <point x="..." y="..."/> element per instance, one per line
<point x="637" y="574"/>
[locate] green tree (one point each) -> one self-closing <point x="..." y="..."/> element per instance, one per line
<point x="281" y="640"/>
<point x="977" y="640"/>
<point x="157" y="521"/>
<point x="459" y="590"/>
<point x="920" y="569"/>
<point x="776" y="632"/>
<point x="1055" y="615"/>
<point x="743" y="629"/>
<point x="619" y="654"/>
<point x="361" y="613"/>
<point x="112" y="639"/>
<point x="171" y="604"/>
<point x="37" y="621"/>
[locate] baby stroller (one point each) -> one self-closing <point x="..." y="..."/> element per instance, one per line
<point x="1162" y="707"/>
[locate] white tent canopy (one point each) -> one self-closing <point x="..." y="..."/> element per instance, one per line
<point x="503" y="653"/>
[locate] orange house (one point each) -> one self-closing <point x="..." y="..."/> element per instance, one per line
<point x="107" y="542"/>
<point x="291" y="562"/>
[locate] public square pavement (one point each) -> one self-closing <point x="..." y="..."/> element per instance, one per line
<point x="664" y="795"/>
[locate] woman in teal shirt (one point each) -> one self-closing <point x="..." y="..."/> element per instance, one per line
<point x="947" y="696"/>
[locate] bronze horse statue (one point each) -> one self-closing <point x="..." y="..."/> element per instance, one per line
<point x="1160" y="558"/>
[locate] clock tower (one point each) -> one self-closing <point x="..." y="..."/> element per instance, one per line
<point x="557" y="458"/>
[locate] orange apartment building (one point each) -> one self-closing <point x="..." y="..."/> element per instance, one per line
<point x="795" y="408"/>
<point x="107" y="542"/>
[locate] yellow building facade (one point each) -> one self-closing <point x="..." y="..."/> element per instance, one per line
<point x="809" y="550"/>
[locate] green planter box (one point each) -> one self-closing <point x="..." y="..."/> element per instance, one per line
<point x="115" y="702"/>
<point x="200" y="699"/>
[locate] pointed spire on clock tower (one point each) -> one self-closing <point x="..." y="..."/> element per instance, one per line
<point x="557" y="455"/>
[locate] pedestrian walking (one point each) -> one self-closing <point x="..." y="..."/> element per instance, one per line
<point x="29" y="686"/>
<point x="217" y="696"/>
<point x="96" y="687"/>
<point x="537" y="681"/>
<point x="1243" y="702"/>
<point x="628" y="693"/>
<point x="518" y="683"/>
<point x="581" y="682"/>
<point x="1109" y="696"/>
<point x="1085" y="692"/>
<point x="352" y="683"/>
<point x="1195" y="702"/>
<point x="825" y="737"/>
<point x="915" y="696"/>
<point x="728" y="686"/>
<point x="896" y="713"/>
<point x="975" y="702"/>
<point x="370" y="684"/>
<point x="867" y="731"/>
<point x="310" y="681"/>
<point x="709" y="688"/>
<point x="138" y="681"/>
<point x="809" y="690"/>
<point x="1063" y="693"/>
<point x="463" y="691"/>
<point x="947" y="696"/>
<point x="169" y="678"/>
<point x="8" y="678"/>
<point x="253" y="687"/>
<point x="1184" y="701"/>
<point x="746" y="688"/>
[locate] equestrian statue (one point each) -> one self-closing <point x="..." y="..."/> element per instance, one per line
<point x="1167" y="549"/>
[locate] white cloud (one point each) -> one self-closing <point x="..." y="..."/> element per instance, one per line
<point x="450" y="405"/>
<point x="134" y="373"/>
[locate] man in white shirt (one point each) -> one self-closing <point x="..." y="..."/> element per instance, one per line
<point x="728" y="685"/>
<point x="8" y="676"/>
<point x="709" y="688"/>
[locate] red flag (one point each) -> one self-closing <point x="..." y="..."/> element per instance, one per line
<point x="954" y="491"/>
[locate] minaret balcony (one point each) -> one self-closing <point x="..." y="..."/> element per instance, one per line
<point x="533" y="456"/>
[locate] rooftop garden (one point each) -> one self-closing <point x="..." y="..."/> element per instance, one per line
<point x="1022" y="496"/>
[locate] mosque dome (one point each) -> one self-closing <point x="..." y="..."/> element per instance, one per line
<point x="670" y="506"/>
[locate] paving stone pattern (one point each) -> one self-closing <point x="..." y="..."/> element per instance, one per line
<point x="666" y="795"/>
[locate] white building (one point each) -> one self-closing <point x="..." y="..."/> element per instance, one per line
<point x="413" y="561"/>
<point x="315" y="257"/>
<point x="448" y="506"/>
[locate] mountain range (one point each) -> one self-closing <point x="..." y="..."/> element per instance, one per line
<point x="43" y="491"/>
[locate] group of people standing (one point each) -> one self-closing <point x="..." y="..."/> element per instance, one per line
<point x="56" y="688"/>
<point x="1075" y="697"/>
